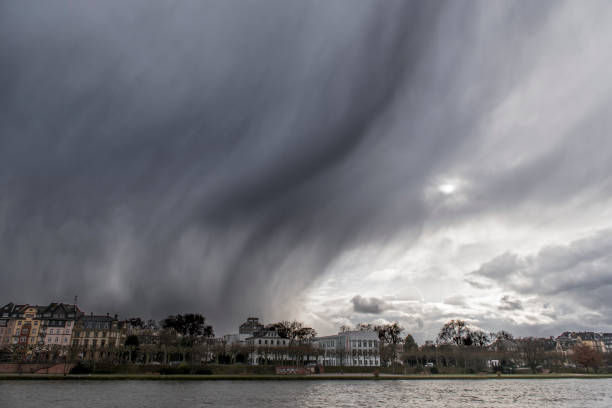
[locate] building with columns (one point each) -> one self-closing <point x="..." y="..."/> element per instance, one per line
<point x="349" y="348"/>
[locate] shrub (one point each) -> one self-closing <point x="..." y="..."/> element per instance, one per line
<point x="81" y="368"/>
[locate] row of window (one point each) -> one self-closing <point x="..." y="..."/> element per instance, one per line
<point x="58" y="331"/>
<point x="365" y="362"/>
<point x="94" y="342"/>
<point x="57" y="340"/>
<point x="60" y="324"/>
<point x="94" y="334"/>
<point x="278" y="342"/>
<point x="364" y="343"/>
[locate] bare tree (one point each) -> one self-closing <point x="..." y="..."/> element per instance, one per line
<point x="454" y="332"/>
<point x="390" y="334"/>
<point x="587" y="357"/>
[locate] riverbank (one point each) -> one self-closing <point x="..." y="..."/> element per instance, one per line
<point x="314" y="377"/>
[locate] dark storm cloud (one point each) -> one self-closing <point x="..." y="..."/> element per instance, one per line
<point x="157" y="157"/>
<point x="371" y="305"/>
<point x="160" y="157"/>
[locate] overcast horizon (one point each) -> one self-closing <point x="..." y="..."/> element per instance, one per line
<point x="332" y="162"/>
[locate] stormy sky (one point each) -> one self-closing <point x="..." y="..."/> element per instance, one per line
<point x="335" y="162"/>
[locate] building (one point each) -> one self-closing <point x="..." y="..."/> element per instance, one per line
<point x="266" y="344"/>
<point x="147" y="333"/>
<point x="94" y="334"/>
<point x="246" y="330"/>
<point x="568" y="340"/>
<point x="7" y="324"/>
<point x="27" y="327"/>
<point x="58" y="322"/>
<point x="349" y="348"/>
<point x="607" y="340"/>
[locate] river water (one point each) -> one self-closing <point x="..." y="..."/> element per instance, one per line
<point x="422" y="393"/>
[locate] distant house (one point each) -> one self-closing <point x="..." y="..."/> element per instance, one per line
<point x="349" y="348"/>
<point x="266" y="344"/>
<point x="246" y="330"/>
<point x="568" y="340"/>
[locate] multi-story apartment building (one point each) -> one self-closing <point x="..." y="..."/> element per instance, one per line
<point x="58" y="321"/>
<point x="26" y="333"/>
<point x="7" y="324"/>
<point x="98" y="331"/>
<point x="349" y="348"/>
<point x="607" y="340"/>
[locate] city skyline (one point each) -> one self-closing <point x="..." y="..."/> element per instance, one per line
<point x="333" y="164"/>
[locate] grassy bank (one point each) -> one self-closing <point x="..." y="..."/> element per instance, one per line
<point x="264" y="377"/>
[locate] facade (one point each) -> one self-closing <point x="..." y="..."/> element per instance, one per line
<point x="246" y="330"/>
<point x="265" y="338"/>
<point x="146" y="335"/>
<point x="568" y="340"/>
<point x="98" y="331"/>
<point x="7" y="324"/>
<point x="266" y="345"/>
<point x="26" y="333"/>
<point x="349" y="348"/>
<point x="58" y="322"/>
<point x="607" y="340"/>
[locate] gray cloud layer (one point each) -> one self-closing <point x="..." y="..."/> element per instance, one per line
<point x="578" y="273"/>
<point x="217" y="156"/>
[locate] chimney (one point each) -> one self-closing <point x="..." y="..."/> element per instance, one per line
<point x="116" y="316"/>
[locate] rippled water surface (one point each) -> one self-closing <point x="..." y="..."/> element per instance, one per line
<point x="425" y="393"/>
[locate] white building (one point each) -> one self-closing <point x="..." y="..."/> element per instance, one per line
<point x="350" y="348"/>
<point x="246" y="330"/>
<point x="267" y="345"/>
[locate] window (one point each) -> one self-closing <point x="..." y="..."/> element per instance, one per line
<point x="259" y="341"/>
<point x="19" y="323"/>
<point x="57" y="339"/>
<point x="36" y="323"/>
<point x="50" y="331"/>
